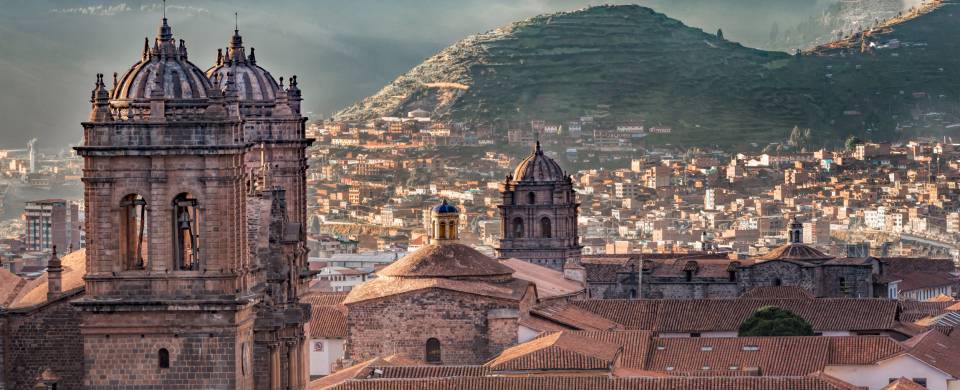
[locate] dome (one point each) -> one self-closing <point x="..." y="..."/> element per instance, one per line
<point x="795" y="252"/>
<point x="446" y="260"/>
<point x="167" y="63"/>
<point x="445" y="208"/>
<point x="253" y="82"/>
<point x="538" y="167"/>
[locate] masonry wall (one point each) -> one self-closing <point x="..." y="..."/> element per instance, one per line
<point x="401" y="324"/>
<point x="46" y="337"/>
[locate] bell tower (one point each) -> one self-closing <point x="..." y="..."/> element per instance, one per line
<point x="538" y="213"/>
<point x="170" y="291"/>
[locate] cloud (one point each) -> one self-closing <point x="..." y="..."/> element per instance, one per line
<point x="114" y="9"/>
<point x="95" y="10"/>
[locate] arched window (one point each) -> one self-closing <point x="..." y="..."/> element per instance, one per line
<point x="531" y="197"/>
<point x="518" y="227"/>
<point x="186" y="233"/>
<point x="633" y="293"/>
<point x="777" y="282"/>
<point x="163" y="358"/>
<point x="433" y="351"/>
<point x="844" y="289"/>
<point x="133" y="232"/>
<point x="545" y="228"/>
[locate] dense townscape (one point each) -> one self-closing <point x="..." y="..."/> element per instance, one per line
<point x="206" y="234"/>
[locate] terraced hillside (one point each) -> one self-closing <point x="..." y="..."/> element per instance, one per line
<point x="630" y="62"/>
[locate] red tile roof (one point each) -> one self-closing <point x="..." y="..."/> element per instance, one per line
<point x="328" y="317"/>
<point x="557" y="351"/>
<point x="705" y="315"/>
<point x="594" y="382"/>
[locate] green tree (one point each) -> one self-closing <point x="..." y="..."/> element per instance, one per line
<point x="774" y="321"/>
<point x="720" y="33"/>
<point x="852" y="142"/>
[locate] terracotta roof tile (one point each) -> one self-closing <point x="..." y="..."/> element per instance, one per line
<point x="936" y="349"/>
<point x="35" y="291"/>
<point x="387" y="286"/>
<point x="705" y="315"/>
<point x="445" y="260"/>
<point x="795" y="252"/>
<point x="903" y="384"/>
<point x="593" y="382"/>
<point x="550" y="283"/>
<point x="557" y="351"/>
<point x="777" y="292"/>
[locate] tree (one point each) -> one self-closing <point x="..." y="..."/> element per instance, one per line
<point x="852" y="142"/>
<point x="720" y="33"/>
<point x="774" y="321"/>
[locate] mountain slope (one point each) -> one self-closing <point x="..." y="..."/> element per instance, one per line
<point x="633" y="63"/>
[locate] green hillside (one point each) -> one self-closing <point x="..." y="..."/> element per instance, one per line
<point x="630" y="62"/>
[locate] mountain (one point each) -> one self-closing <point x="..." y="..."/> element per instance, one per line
<point x="632" y="63"/>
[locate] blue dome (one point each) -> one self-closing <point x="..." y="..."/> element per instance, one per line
<point x="445" y="208"/>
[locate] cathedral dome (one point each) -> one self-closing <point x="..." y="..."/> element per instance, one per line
<point x="446" y="260"/>
<point x="445" y="208"/>
<point x="253" y="82"/>
<point x="795" y="252"/>
<point x="163" y="71"/>
<point x="538" y="167"/>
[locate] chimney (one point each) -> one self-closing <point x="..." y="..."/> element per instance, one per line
<point x="54" y="271"/>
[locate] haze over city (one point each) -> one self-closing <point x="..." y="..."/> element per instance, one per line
<point x="547" y="194"/>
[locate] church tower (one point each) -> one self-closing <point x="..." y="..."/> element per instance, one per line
<point x="444" y="223"/>
<point x="173" y="291"/>
<point x="538" y="213"/>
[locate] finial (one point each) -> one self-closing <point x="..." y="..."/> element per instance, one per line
<point x="236" y="22"/>
<point x="219" y="56"/>
<point x="115" y="84"/>
<point x="146" y="47"/>
<point x="164" y="11"/>
<point x="53" y="252"/>
<point x="252" y="58"/>
<point x="281" y="82"/>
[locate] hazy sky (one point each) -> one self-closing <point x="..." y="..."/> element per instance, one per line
<point x="341" y="50"/>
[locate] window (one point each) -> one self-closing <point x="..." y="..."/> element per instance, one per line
<point x="920" y="381"/>
<point x="777" y="282"/>
<point x="531" y="198"/>
<point x="433" y="351"/>
<point x="518" y="227"/>
<point x="688" y="275"/>
<point x="545" y="230"/>
<point x="163" y="358"/>
<point x="318" y="346"/>
<point x="733" y="276"/>
<point x="186" y="238"/>
<point x="633" y="293"/>
<point x="133" y="231"/>
<point x="695" y="334"/>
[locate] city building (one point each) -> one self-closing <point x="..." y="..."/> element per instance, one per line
<point x="52" y="223"/>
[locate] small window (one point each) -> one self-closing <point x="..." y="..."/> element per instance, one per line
<point x="733" y="276"/>
<point x="433" y="351"/>
<point x="531" y="198"/>
<point x="669" y="368"/>
<point x="163" y="358"/>
<point x="920" y="381"/>
<point x="688" y="275"/>
<point x="695" y="334"/>
<point x="777" y="282"/>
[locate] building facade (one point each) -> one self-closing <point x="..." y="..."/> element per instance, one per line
<point x="195" y="261"/>
<point x="538" y="213"/>
<point x="50" y="223"/>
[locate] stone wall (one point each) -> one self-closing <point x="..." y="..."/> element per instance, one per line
<point x="40" y="338"/>
<point x="197" y="361"/>
<point x="401" y="324"/>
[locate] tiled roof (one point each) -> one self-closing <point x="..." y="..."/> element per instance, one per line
<point x="571" y="316"/>
<point x="445" y="260"/>
<point x="35" y="291"/>
<point x="387" y="286"/>
<point x="912" y="311"/>
<point x="936" y="349"/>
<point x="10" y="286"/>
<point x="777" y="292"/>
<point x="594" y="382"/>
<point x="328" y="316"/>
<point x="704" y="315"/>
<point x="903" y="384"/>
<point x="807" y="355"/>
<point x="925" y="279"/>
<point x="795" y="252"/>
<point x="557" y="351"/>
<point x="550" y="283"/>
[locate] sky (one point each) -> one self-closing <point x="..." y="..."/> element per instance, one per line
<point x="341" y="50"/>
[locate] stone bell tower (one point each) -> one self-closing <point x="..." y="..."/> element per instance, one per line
<point x="170" y="283"/>
<point x="538" y="214"/>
